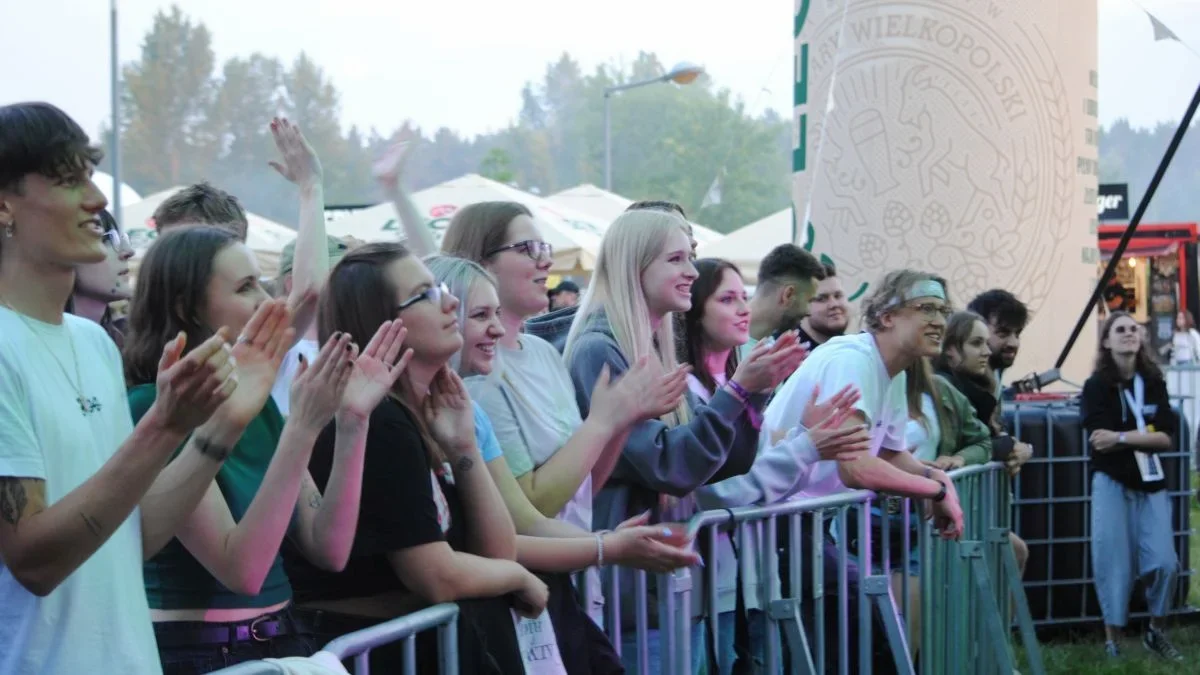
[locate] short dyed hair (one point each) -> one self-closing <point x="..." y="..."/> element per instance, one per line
<point x="789" y="262"/>
<point x="202" y="204"/>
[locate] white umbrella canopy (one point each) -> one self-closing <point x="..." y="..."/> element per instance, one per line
<point x="748" y="245"/>
<point x="105" y="182"/>
<point x="606" y="206"/>
<point x="265" y="237"/>
<point x="574" y="236"/>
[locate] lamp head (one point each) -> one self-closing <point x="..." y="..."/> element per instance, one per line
<point x="685" y="73"/>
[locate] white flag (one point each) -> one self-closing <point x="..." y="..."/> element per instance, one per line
<point x="713" y="196"/>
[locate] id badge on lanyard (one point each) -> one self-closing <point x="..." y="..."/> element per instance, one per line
<point x="1149" y="465"/>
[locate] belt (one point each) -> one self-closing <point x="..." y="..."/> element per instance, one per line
<point x="260" y="629"/>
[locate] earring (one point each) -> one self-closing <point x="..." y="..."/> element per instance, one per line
<point x="9" y="229"/>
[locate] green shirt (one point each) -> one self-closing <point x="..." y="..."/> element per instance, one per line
<point x="174" y="578"/>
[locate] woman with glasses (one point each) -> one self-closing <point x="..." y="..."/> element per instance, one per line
<point x="558" y="457"/>
<point x="1127" y="415"/>
<point x="432" y="527"/>
<point x="100" y="284"/>
<point x="218" y="591"/>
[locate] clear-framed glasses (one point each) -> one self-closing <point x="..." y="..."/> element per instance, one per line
<point x="531" y="247"/>
<point x="932" y="311"/>
<point x="116" y="239"/>
<point x="433" y="294"/>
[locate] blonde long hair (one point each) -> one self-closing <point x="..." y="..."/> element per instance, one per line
<point x="629" y="246"/>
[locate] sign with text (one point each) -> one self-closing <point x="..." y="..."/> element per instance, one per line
<point x="952" y="137"/>
<point x="1112" y="201"/>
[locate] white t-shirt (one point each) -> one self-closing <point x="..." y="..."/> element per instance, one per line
<point x="98" y="619"/>
<point x="849" y="359"/>
<point x="281" y="391"/>
<point x="530" y="399"/>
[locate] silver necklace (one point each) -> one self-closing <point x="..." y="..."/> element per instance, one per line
<point x="87" y="405"/>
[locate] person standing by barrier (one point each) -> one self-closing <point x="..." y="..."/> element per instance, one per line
<point x="787" y="281"/>
<point x="432" y="527"/>
<point x="218" y="591"/>
<point x="100" y="284"/>
<point x="717" y="324"/>
<point x="1127" y="415"/>
<point x="643" y="277"/>
<point x="84" y="495"/>
<point x="1006" y="318"/>
<point x="546" y="544"/>
<point x="1185" y="341"/>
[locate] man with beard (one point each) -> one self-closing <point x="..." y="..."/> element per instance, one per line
<point x="828" y="312"/>
<point x="788" y="280"/>
<point x="1006" y="317"/>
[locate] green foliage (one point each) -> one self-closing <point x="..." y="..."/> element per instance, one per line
<point x="187" y="120"/>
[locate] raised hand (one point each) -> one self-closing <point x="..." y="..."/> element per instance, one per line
<point x="191" y="388"/>
<point x="835" y="442"/>
<point x="300" y="162"/>
<point x="814" y="414"/>
<point x="375" y="371"/>
<point x="257" y="354"/>
<point x="449" y="414"/>
<point x="770" y="364"/>
<point x="643" y="392"/>
<point x="318" y="388"/>
<point x="388" y="169"/>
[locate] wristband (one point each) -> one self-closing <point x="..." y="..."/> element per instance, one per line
<point x="941" y="495"/>
<point x="212" y="450"/>
<point x="600" y="548"/>
<point x="1121" y="438"/>
<point x="739" y="391"/>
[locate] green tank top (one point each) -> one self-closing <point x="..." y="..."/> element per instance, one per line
<point x="174" y="578"/>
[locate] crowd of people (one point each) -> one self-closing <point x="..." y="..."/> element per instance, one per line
<point x="244" y="468"/>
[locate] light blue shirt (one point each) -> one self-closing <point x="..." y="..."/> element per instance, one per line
<point x="485" y="436"/>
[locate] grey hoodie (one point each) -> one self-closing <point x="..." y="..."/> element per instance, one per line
<point x="719" y="442"/>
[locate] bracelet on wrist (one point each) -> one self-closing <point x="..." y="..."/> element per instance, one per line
<point x="600" y="548"/>
<point x="739" y="391"/>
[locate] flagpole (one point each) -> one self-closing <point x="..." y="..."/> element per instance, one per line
<point x="115" y="143"/>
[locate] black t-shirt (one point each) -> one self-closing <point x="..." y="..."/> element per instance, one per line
<point x="1103" y="406"/>
<point x="399" y="508"/>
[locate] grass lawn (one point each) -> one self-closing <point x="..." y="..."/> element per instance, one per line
<point x="1086" y="655"/>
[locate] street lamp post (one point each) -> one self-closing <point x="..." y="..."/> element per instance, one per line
<point x="682" y="73"/>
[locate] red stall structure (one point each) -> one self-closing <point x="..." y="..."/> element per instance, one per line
<point x="1158" y="275"/>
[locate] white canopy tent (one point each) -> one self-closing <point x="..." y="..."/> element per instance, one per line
<point x="104" y="181"/>
<point x="606" y="206"/>
<point x="748" y="245"/>
<point x="265" y="237"/>
<point x="574" y="235"/>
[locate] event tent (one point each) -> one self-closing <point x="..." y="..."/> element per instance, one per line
<point x="574" y="235"/>
<point x="748" y="245"/>
<point x="265" y="237"/>
<point x="606" y="206"/>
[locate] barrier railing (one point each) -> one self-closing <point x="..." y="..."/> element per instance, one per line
<point x="360" y="643"/>
<point x="965" y="591"/>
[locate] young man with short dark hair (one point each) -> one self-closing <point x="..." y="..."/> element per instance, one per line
<point x="202" y="204"/>
<point x="1007" y="318"/>
<point x="84" y="495"/>
<point x="828" y="311"/>
<point x="787" y="282"/>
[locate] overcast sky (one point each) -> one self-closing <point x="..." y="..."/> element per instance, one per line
<point x="462" y="63"/>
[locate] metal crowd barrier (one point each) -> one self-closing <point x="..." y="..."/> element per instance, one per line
<point x="1052" y="507"/>
<point x="966" y="587"/>
<point x="360" y="643"/>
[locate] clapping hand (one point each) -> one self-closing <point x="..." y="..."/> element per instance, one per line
<point x="643" y="392"/>
<point x="300" y="162"/>
<point x="816" y="413"/>
<point x="257" y="354"/>
<point x="388" y="169"/>
<point x="449" y="413"/>
<point x="655" y="548"/>
<point x="318" y="388"/>
<point x="190" y="388"/>
<point x="770" y="364"/>
<point x="375" y="371"/>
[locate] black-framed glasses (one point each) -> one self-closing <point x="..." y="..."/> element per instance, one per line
<point x="433" y="294"/>
<point x="531" y="247"/>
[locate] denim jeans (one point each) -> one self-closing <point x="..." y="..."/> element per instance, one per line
<point x="197" y="659"/>
<point x="629" y="653"/>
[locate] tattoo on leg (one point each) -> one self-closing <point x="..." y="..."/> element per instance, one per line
<point x="93" y="525"/>
<point x="463" y="465"/>
<point x="13" y="500"/>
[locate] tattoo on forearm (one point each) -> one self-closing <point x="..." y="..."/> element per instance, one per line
<point x="93" y="525"/>
<point x="463" y="465"/>
<point x="211" y="450"/>
<point x="13" y="500"/>
<point x="314" y="500"/>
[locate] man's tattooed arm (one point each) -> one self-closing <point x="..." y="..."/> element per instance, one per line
<point x="21" y="498"/>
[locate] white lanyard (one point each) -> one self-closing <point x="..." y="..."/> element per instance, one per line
<point x="1150" y="466"/>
